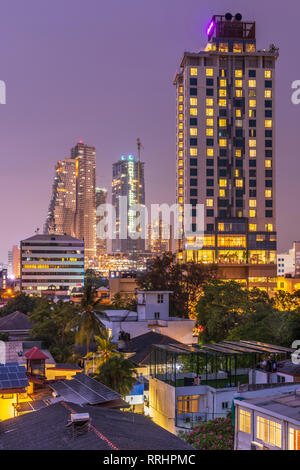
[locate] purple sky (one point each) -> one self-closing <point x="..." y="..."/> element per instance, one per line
<point x="102" y="71"/>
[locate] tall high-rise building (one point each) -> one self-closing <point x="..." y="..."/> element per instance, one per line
<point x="226" y="149"/>
<point x="159" y="237"/>
<point x="101" y="198"/>
<point x="85" y="216"/>
<point x="61" y="213"/>
<point x="128" y="181"/>
<point x="14" y="260"/>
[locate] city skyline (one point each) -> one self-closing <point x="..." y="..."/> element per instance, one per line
<point x="40" y="122"/>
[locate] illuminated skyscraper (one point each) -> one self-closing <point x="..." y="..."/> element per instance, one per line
<point x="225" y="150"/>
<point x="101" y="198"/>
<point x="128" y="181"/>
<point x="61" y="213"/>
<point x="85" y="216"/>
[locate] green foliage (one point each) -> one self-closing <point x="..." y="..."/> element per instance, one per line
<point x="217" y="434"/>
<point x="93" y="279"/>
<point x="185" y="280"/>
<point x="22" y="303"/>
<point x="226" y="311"/>
<point x="105" y="350"/>
<point x="117" y="373"/>
<point x="51" y="326"/>
<point x="4" y="336"/>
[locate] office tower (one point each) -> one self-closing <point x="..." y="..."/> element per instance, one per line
<point x="101" y="198"/>
<point x="159" y="237"/>
<point x="14" y="270"/>
<point x="85" y="216"/>
<point x="225" y="150"/>
<point x="51" y="262"/>
<point x="3" y="279"/>
<point x="61" y="213"/>
<point x="128" y="181"/>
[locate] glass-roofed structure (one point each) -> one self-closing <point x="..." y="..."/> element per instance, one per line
<point x="220" y="365"/>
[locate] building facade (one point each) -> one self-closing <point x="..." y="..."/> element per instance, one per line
<point x="101" y="243"/>
<point x="85" y="216"/>
<point x="51" y="262"/>
<point x="61" y="213"/>
<point x="289" y="263"/>
<point x="128" y="181"/>
<point x="225" y="151"/>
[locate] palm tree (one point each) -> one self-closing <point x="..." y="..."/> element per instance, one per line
<point x="105" y="350"/>
<point x="117" y="302"/>
<point x="88" y="324"/>
<point x="118" y="374"/>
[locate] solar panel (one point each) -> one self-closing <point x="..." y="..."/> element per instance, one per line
<point x="12" y="376"/>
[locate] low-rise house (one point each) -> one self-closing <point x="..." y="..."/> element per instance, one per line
<point x="270" y="421"/>
<point x="152" y="315"/>
<point x="189" y="384"/>
<point x="54" y="428"/>
<point x="16" y="325"/>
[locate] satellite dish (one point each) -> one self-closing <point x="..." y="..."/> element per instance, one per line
<point x="238" y="17"/>
<point x="228" y="16"/>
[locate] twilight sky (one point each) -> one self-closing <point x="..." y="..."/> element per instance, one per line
<point x="102" y="71"/>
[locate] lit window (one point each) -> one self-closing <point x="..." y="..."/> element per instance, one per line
<point x="268" y="193"/>
<point x="210" y="131"/>
<point x="252" y="153"/>
<point x="237" y="47"/>
<point x="252" y="83"/>
<point x="180" y="153"/>
<point x="250" y="47"/>
<point x="180" y="135"/>
<point x="209" y="111"/>
<point x="239" y="93"/>
<point x="194" y="71"/>
<point x="238" y="113"/>
<point x="221" y="227"/>
<point x="180" y="163"/>
<point x="223" y="142"/>
<point x="239" y="83"/>
<point x="180" y="145"/>
<point x="269" y="227"/>
<point x="209" y="102"/>
<point x="238" y="73"/>
<point x="223" y="183"/>
<point x="223" y="82"/>
<point x="252" y="227"/>
<point x="252" y="203"/>
<point x="222" y="92"/>
<point x="180" y="200"/>
<point x="252" y="112"/>
<point x="181" y="89"/>
<point x="268" y="93"/>
<point x="222" y="102"/>
<point x="294" y="439"/>
<point x="209" y="122"/>
<point x="209" y="72"/>
<point x="193" y="152"/>
<point x="268" y="73"/>
<point x="222" y="193"/>
<point x="268" y="163"/>
<point x="236" y="173"/>
<point x="252" y="103"/>
<point x="180" y="117"/>
<point x="268" y="431"/>
<point x="180" y="99"/>
<point x="223" y="47"/>
<point x="209" y="202"/>
<point x="193" y="112"/>
<point x="245" y="421"/>
<point x="193" y="101"/>
<point x="239" y="183"/>
<point x="222" y="122"/>
<point x="222" y="73"/>
<point x="180" y="125"/>
<point x="238" y="152"/>
<point x="238" y="123"/>
<point x="268" y="123"/>
<point x="252" y="142"/>
<point x="252" y="213"/>
<point x="193" y="131"/>
<point x="180" y="107"/>
<point x="210" y="152"/>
